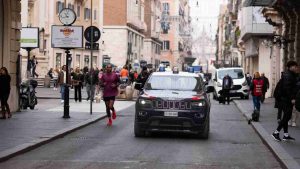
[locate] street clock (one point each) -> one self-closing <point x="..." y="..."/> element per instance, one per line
<point x="67" y="16"/>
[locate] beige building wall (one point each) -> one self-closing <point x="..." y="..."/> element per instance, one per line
<point x="10" y="25"/>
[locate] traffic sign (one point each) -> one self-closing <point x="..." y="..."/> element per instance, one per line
<point x="89" y="46"/>
<point x="92" y="32"/>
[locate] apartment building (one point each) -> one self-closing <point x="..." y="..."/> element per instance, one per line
<point x="43" y="14"/>
<point x="124" y="27"/>
<point x="175" y="34"/>
<point x="10" y="25"/>
<point x="152" y="41"/>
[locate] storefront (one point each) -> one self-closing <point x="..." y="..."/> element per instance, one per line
<point x="10" y="25"/>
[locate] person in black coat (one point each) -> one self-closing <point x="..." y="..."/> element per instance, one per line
<point x="4" y="92"/>
<point x="289" y="81"/>
<point x="265" y="87"/>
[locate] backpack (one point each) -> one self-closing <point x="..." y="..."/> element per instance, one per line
<point x="278" y="90"/>
<point x="227" y="84"/>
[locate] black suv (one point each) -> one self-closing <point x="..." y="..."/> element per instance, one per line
<point x="173" y="102"/>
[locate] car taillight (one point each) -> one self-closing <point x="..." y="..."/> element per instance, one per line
<point x="195" y="98"/>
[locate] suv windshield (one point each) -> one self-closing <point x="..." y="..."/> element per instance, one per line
<point x="233" y="73"/>
<point x="181" y="83"/>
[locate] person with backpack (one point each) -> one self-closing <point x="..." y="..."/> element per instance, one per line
<point x="256" y="88"/>
<point x="226" y="86"/>
<point x="288" y="95"/>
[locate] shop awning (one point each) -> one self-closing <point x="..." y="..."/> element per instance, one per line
<point x="259" y="3"/>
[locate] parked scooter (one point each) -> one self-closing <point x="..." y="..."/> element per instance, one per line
<point x="27" y="94"/>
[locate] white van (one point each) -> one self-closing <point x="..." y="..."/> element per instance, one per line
<point x="240" y="86"/>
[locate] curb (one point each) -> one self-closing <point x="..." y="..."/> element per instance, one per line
<point x="33" y="144"/>
<point x="286" y="160"/>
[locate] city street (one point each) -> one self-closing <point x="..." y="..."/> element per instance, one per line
<point x="232" y="144"/>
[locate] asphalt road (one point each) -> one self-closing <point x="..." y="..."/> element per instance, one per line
<point x="232" y="144"/>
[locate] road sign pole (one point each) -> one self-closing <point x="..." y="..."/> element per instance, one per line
<point x="92" y="72"/>
<point x="66" y="88"/>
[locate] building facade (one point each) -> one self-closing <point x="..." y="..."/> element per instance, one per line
<point x="44" y="14"/>
<point x="152" y="41"/>
<point x="175" y="23"/>
<point x="124" y="27"/>
<point x="10" y="25"/>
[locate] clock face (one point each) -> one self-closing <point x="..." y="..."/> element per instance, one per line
<point x="67" y="16"/>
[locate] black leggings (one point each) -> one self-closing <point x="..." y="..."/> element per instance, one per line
<point x="287" y="114"/>
<point x="4" y="104"/>
<point x="109" y="103"/>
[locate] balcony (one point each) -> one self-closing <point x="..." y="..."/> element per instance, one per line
<point x="137" y="25"/>
<point x="253" y="23"/>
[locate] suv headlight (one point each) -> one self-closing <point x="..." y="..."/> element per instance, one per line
<point x="144" y="102"/>
<point x="245" y="83"/>
<point x="200" y="103"/>
<point x="219" y="84"/>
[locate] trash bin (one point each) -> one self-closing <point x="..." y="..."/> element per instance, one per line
<point x="47" y="81"/>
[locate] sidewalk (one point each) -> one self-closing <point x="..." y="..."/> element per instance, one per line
<point x="287" y="152"/>
<point x="31" y="128"/>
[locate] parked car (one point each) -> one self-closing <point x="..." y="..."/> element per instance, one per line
<point x="173" y="101"/>
<point x="240" y="86"/>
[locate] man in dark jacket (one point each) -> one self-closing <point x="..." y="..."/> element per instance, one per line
<point x="265" y="87"/>
<point x="226" y="86"/>
<point x="143" y="76"/>
<point x="289" y="81"/>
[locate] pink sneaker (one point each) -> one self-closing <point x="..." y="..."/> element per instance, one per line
<point x="114" y="115"/>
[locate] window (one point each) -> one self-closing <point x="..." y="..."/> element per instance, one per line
<point x="166" y="7"/>
<point x="95" y="14"/>
<point x="166" y="45"/>
<point x="87" y="13"/>
<point x="59" y="6"/>
<point x="95" y="61"/>
<point x="58" y="60"/>
<point x="71" y="6"/>
<point x="180" y="83"/>
<point x="86" y="60"/>
<point x="78" y="11"/>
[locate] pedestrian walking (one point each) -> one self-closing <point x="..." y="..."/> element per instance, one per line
<point x="277" y="96"/>
<point x="248" y="78"/>
<point x="55" y="78"/>
<point x="256" y="89"/>
<point x="110" y="82"/>
<point x="50" y="73"/>
<point x="288" y="96"/>
<point x="4" y="92"/>
<point x="227" y="84"/>
<point x="34" y="63"/>
<point x="77" y="82"/>
<point x="91" y="80"/>
<point x="62" y="82"/>
<point x="265" y="87"/>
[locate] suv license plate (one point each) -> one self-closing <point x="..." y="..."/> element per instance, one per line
<point x="171" y="114"/>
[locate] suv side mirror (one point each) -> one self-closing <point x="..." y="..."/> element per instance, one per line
<point x="138" y="86"/>
<point x="215" y="80"/>
<point x="209" y="89"/>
